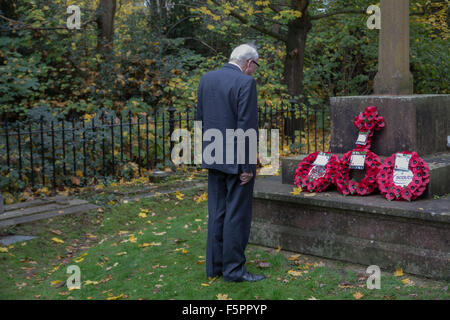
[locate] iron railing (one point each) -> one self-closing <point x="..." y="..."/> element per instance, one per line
<point x="51" y="151"/>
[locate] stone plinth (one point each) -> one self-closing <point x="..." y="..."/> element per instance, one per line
<point x="418" y="123"/>
<point x="439" y="164"/>
<point x="364" y="230"/>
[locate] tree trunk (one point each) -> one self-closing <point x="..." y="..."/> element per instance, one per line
<point x="295" y="54"/>
<point x="105" y="21"/>
<point x="8" y="7"/>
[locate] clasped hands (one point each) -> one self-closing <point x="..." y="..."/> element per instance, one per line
<point x="245" y="177"/>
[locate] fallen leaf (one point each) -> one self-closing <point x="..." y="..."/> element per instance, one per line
<point x="398" y="273"/>
<point x="296" y="273"/>
<point x="57" y="240"/>
<point x="3" y="250"/>
<point x="278" y="249"/>
<point x="296" y="191"/>
<point x="57" y="232"/>
<point x="294" y="257"/>
<point x="159" y="233"/>
<point x="312" y="298"/>
<point x="116" y="297"/>
<point x="223" y="297"/>
<point x="121" y="253"/>
<point x="151" y="244"/>
<point x="203" y="197"/>
<point x="358" y="295"/>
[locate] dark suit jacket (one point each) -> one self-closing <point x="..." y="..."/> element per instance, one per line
<point x="227" y="99"/>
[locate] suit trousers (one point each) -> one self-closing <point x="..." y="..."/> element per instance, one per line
<point x="229" y="220"/>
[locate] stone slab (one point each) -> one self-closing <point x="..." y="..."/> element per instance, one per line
<point x="83" y="208"/>
<point x="439" y="164"/>
<point x="40" y="209"/>
<point x="8" y="240"/>
<point x="418" y="123"/>
<point x="366" y="230"/>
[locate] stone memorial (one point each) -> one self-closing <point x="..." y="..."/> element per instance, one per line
<point x="370" y="230"/>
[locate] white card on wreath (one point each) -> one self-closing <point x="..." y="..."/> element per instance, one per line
<point x="402" y="161"/>
<point x="357" y="160"/>
<point x="322" y="159"/>
<point x="362" y="138"/>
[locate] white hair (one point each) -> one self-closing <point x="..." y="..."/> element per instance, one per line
<point x="243" y="53"/>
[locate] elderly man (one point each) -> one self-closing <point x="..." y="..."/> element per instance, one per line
<point x="227" y="99"/>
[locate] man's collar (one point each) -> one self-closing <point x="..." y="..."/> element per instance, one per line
<point x="233" y="63"/>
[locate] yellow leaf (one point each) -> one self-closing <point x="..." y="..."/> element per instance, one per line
<point x="3" y="250"/>
<point x="296" y="273"/>
<point x="278" y="249"/>
<point x="151" y="244"/>
<point x="57" y="240"/>
<point x="121" y="253"/>
<point x="223" y="297"/>
<point x="179" y="195"/>
<point x="55" y="282"/>
<point x="358" y="295"/>
<point x="142" y="215"/>
<point x="398" y="273"/>
<point x="205" y="284"/>
<point x="115" y="298"/>
<point x="296" y="191"/>
<point x="294" y="257"/>
<point x="405" y="281"/>
<point x="89" y="282"/>
<point x="203" y="197"/>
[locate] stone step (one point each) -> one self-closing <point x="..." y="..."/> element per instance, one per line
<point x="31" y="210"/>
<point x="366" y="230"/>
<point x="77" y="207"/>
<point x="439" y="165"/>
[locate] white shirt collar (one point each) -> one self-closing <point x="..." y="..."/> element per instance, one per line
<point x="236" y="65"/>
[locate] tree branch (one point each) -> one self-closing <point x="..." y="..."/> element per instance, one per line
<point x="343" y="11"/>
<point x="256" y="27"/>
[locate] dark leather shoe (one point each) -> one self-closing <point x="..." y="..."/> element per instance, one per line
<point x="249" y="277"/>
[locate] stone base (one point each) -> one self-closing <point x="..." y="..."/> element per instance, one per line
<point x="439" y="172"/>
<point x="364" y="230"/>
<point x="413" y="122"/>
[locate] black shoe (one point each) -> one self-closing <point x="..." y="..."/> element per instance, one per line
<point x="250" y="277"/>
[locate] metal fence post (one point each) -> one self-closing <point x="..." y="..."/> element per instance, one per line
<point x="292" y="102"/>
<point x="171" y="124"/>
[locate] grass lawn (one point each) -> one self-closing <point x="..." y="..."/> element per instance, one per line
<point x="154" y="248"/>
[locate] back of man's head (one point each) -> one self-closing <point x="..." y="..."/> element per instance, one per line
<point x="243" y="53"/>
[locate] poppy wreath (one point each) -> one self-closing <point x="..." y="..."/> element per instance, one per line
<point x="368" y="183"/>
<point x="368" y="121"/>
<point x="303" y="180"/>
<point x="414" y="189"/>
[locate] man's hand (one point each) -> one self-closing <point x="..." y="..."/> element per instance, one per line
<point x="246" y="177"/>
